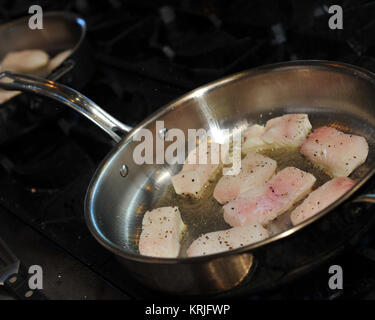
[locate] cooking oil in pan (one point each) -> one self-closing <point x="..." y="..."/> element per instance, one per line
<point x="206" y="214"/>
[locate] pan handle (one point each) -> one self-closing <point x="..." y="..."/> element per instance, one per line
<point x="69" y="97"/>
<point x="369" y="198"/>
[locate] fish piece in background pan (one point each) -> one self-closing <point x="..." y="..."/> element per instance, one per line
<point x="255" y="171"/>
<point x="289" y="131"/>
<point x="337" y="153"/>
<point x="195" y="175"/>
<point x="321" y="198"/>
<point x="161" y="232"/>
<point x="225" y="240"/>
<point x="27" y="61"/>
<point x="265" y="203"/>
<point x="35" y="62"/>
<point x="31" y="61"/>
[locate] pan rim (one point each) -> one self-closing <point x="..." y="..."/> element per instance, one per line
<point x="116" y="249"/>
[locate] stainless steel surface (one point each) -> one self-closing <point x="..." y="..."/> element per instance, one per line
<point x="330" y="92"/>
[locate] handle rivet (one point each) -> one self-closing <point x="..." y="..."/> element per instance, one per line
<point x="124" y="170"/>
<point x="13" y="280"/>
<point x="163" y="133"/>
<point x="28" y="294"/>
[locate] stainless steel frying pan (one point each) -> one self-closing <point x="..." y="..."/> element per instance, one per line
<point x="61" y="31"/>
<point x="121" y="191"/>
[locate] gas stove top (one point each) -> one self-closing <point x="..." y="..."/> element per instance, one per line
<point x="145" y="55"/>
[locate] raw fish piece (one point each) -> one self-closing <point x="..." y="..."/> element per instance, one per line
<point x="337" y="153"/>
<point x="256" y="169"/>
<point x="161" y="232"/>
<point x="265" y="203"/>
<point x="321" y="198"/>
<point x="194" y="176"/>
<point x="225" y="240"/>
<point x="26" y="61"/>
<point x="289" y="131"/>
